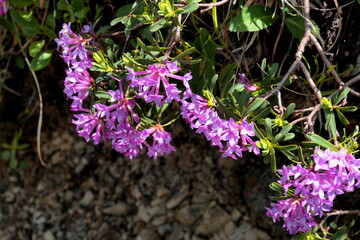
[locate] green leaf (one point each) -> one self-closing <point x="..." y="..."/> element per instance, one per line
<point x="330" y="123"/>
<point x="342" y="118"/>
<point x="36" y="47"/>
<point x="254" y="105"/>
<point x="277" y="187"/>
<point x="157" y="25"/>
<point x="5" y="154"/>
<point x="296" y="26"/>
<point x="340" y="234"/>
<point x="225" y="77"/>
<point x="321" y="141"/>
<point x="347" y="109"/>
<point x="286" y="147"/>
<point x="290" y="155"/>
<point x="289" y="110"/>
<point x="184" y="54"/>
<point x="280" y="136"/>
<point x="23" y="3"/>
<point x="342" y="95"/>
<point x="63" y="5"/>
<point x="103" y="94"/>
<point x="126" y="10"/>
<point x="268" y="128"/>
<point x="288" y="137"/>
<point x="81" y="13"/>
<point x="13" y="163"/>
<point x="49" y="32"/>
<point x="242" y="99"/>
<point x="50" y="21"/>
<point x="41" y="60"/>
<point x="117" y="20"/>
<point x="28" y="23"/>
<point x="212" y="82"/>
<point x="253" y="18"/>
<point x="191" y="7"/>
<point x="262" y="114"/>
<point x="6" y="24"/>
<point x="273" y="161"/>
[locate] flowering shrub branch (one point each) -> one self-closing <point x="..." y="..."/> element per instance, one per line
<point x="131" y="75"/>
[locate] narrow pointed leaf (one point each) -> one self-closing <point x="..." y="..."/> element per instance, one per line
<point x="321" y="141"/>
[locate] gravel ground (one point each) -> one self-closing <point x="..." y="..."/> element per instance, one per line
<point x="88" y="192"/>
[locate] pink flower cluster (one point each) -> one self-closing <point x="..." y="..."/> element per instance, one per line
<point x="231" y="137"/>
<point x="314" y="189"/>
<point x="116" y="119"/>
<point x="3" y="7"/>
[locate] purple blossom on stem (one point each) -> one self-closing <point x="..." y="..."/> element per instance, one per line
<point x="153" y="82"/>
<point x="3" y="7"/>
<point x="229" y="136"/>
<point x="129" y="141"/>
<point x="247" y="84"/>
<point x="161" y="142"/>
<point x="90" y="126"/>
<point x="76" y="56"/>
<point x="333" y="173"/>
<point x="293" y="211"/>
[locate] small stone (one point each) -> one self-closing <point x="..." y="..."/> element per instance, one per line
<point x="142" y="214"/>
<point x="244" y="232"/>
<point x="69" y="195"/>
<point x="156" y="211"/>
<point x="9" y="196"/>
<point x="235" y="214"/>
<point x="159" y="220"/>
<point x="135" y="192"/>
<point x="148" y="234"/>
<point x="48" y="235"/>
<point x="189" y="214"/>
<point x="16" y="190"/>
<point x="39" y="218"/>
<point x="200" y="197"/>
<point x="177" y="198"/>
<point x="162" y="191"/>
<point x="262" y="235"/>
<point x="118" y="209"/>
<point x="176" y="233"/>
<point x="229" y="228"/>
<point x="87" y="198"/>
<point x="164" y="228"/>
<point x="209" y="226"/>
<point x="157" y="201"/>
<point x="82" y="162"/>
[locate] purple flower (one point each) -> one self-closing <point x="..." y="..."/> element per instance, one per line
<point x="161" y="142"/>
<point x="247" y="84"/>
<point x="129" y="141"/>
<point x="75" y="54"/>
<point x="73" y="47"/>
<point x="153" y="84"/>
<point x="334" y="173"/>
<point x="3" y="7"/>
<point x="90" y="126"/>
<point x="294" y="213"/>
<point x="229" y="136"/>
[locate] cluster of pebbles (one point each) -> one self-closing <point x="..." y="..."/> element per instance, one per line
<point x="88" y="192"/>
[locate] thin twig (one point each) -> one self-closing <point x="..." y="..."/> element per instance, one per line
<point x="326" y="61"/>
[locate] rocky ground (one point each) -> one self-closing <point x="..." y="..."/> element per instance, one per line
<point x="88" y="192"/>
